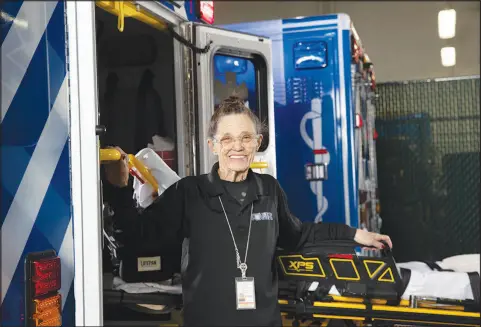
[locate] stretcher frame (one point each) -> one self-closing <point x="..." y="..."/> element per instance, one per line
<point x="367" y="312"/>
<point x="380" y="273"/>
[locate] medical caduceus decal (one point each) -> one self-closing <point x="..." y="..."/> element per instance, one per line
<point x="316" y="173"/>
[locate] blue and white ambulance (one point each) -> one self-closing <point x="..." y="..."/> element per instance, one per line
<point x="138" y="73"/>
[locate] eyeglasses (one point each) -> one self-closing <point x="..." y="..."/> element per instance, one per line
<point x="245" y="139"/>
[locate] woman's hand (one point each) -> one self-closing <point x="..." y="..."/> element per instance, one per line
<point x="117" y="172"/>
<point x="371" y="239"/>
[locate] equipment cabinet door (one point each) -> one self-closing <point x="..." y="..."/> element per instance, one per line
<point x="236" y="64"/>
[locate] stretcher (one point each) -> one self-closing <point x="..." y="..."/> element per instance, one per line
<point x="322" y="284"/>
<point x="332" y="282"/>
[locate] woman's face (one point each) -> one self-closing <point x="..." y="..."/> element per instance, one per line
<point x="236" y="142"/>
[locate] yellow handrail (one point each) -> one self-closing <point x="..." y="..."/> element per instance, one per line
<point x="109" y="155"/>
<point x="259" y="165"/>
<point x="123" y="9"/>
<point x="114" y="155"/>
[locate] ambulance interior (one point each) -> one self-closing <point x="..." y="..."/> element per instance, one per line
<point x="135" y="76"/>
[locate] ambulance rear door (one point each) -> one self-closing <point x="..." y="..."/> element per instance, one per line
<point x="232" y="63"/>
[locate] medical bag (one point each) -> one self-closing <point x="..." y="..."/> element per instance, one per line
<point x="143" y="252"/>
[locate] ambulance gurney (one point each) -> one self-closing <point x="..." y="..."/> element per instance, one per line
<point x="330" y="281"/>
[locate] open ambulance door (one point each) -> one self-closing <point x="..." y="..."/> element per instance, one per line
<point x="236" y="64"/>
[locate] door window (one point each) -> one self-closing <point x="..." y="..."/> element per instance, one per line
<point x="245" y="78"/>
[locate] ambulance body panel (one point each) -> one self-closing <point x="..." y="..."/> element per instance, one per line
<point x="315" y="98"/>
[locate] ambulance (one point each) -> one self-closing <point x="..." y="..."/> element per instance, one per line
<point x="147" y="74"/>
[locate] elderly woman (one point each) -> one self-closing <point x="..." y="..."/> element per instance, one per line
<point x="234" y="219"/>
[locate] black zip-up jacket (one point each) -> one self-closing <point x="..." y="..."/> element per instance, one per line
<point x="191" y="209"/>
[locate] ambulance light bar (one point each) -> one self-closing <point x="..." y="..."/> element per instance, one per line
<point x="205" y="11"/>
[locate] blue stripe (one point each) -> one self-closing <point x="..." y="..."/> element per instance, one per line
<point x="11" y="8"/>
<point x="68" y="314"/>
<point x="29" y="110"/>
<point x="14" y="161"/>
<point x="54" y="214"/>
<point x="20" y="132"/>
<point x="168" y="4"/>
<point x="47" y="233"/>
<point x="309" y="19"/>
<point x="30" y="107"/>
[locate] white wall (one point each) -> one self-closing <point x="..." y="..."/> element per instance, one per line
<point x="401" y="38"/>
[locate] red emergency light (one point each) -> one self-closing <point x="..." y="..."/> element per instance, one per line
<point x="43" y="303"/>
<point x="205" y="11"/>
<point x="46" y="276"/>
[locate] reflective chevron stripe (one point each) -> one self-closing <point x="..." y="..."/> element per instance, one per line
<point x="35" y="158"/>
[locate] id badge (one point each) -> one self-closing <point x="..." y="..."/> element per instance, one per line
<point x="245" y="293"/>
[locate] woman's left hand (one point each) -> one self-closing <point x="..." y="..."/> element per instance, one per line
<point x="371" y="239"/>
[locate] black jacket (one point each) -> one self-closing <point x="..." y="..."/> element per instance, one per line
<point x="191" y="209"/>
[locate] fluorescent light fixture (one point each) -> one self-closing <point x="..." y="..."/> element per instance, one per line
<point x="447" y="23"/>
<point x="448" y="56"/>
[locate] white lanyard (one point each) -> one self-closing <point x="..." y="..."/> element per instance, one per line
<point x="241" y="265"/>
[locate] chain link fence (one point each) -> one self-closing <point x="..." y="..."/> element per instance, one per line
<point x="428" y="166"/>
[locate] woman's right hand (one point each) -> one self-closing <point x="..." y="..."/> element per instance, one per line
<point x="117" y="172"/>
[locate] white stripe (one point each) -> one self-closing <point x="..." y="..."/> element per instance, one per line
<point x="314" y="23"/>
<point x="343" y="111"/>
<point x="311" y="30"/>
<point x="19" y="47"/>
<point x="67" y="264"/>
<point x="33" y="187"/>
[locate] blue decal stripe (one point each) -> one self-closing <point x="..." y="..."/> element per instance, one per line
<point x="168" y="4"/>
<point x="19" y="47"/>
<point x="36" y="212"/>
<point x="20" y="218"/>
<point x="7" y="17"/>
<point x="68" y="313"/>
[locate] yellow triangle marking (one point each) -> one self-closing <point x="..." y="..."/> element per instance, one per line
<point x="379" y="264"/>
<point x="382" y="278"/>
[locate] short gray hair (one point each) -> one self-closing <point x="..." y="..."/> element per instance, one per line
<point x="230" y="106"/>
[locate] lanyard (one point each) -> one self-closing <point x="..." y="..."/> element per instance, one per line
<point x="241" y="265"/>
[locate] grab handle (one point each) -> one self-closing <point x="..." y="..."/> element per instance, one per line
<point x="114" y="155"/>
<point x="143" y="170"/>
<point x="259" y="165"/>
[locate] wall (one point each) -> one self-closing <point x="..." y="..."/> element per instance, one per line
<point x="400" y="37"/>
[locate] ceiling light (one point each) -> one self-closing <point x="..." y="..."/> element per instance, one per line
<point x="447" y="23"/>
<point x="448" y="56"/>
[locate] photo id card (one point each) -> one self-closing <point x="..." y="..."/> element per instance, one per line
<point x="245" y="293"/>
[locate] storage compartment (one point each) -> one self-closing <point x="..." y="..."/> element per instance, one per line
<point x="135" y="78"/>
